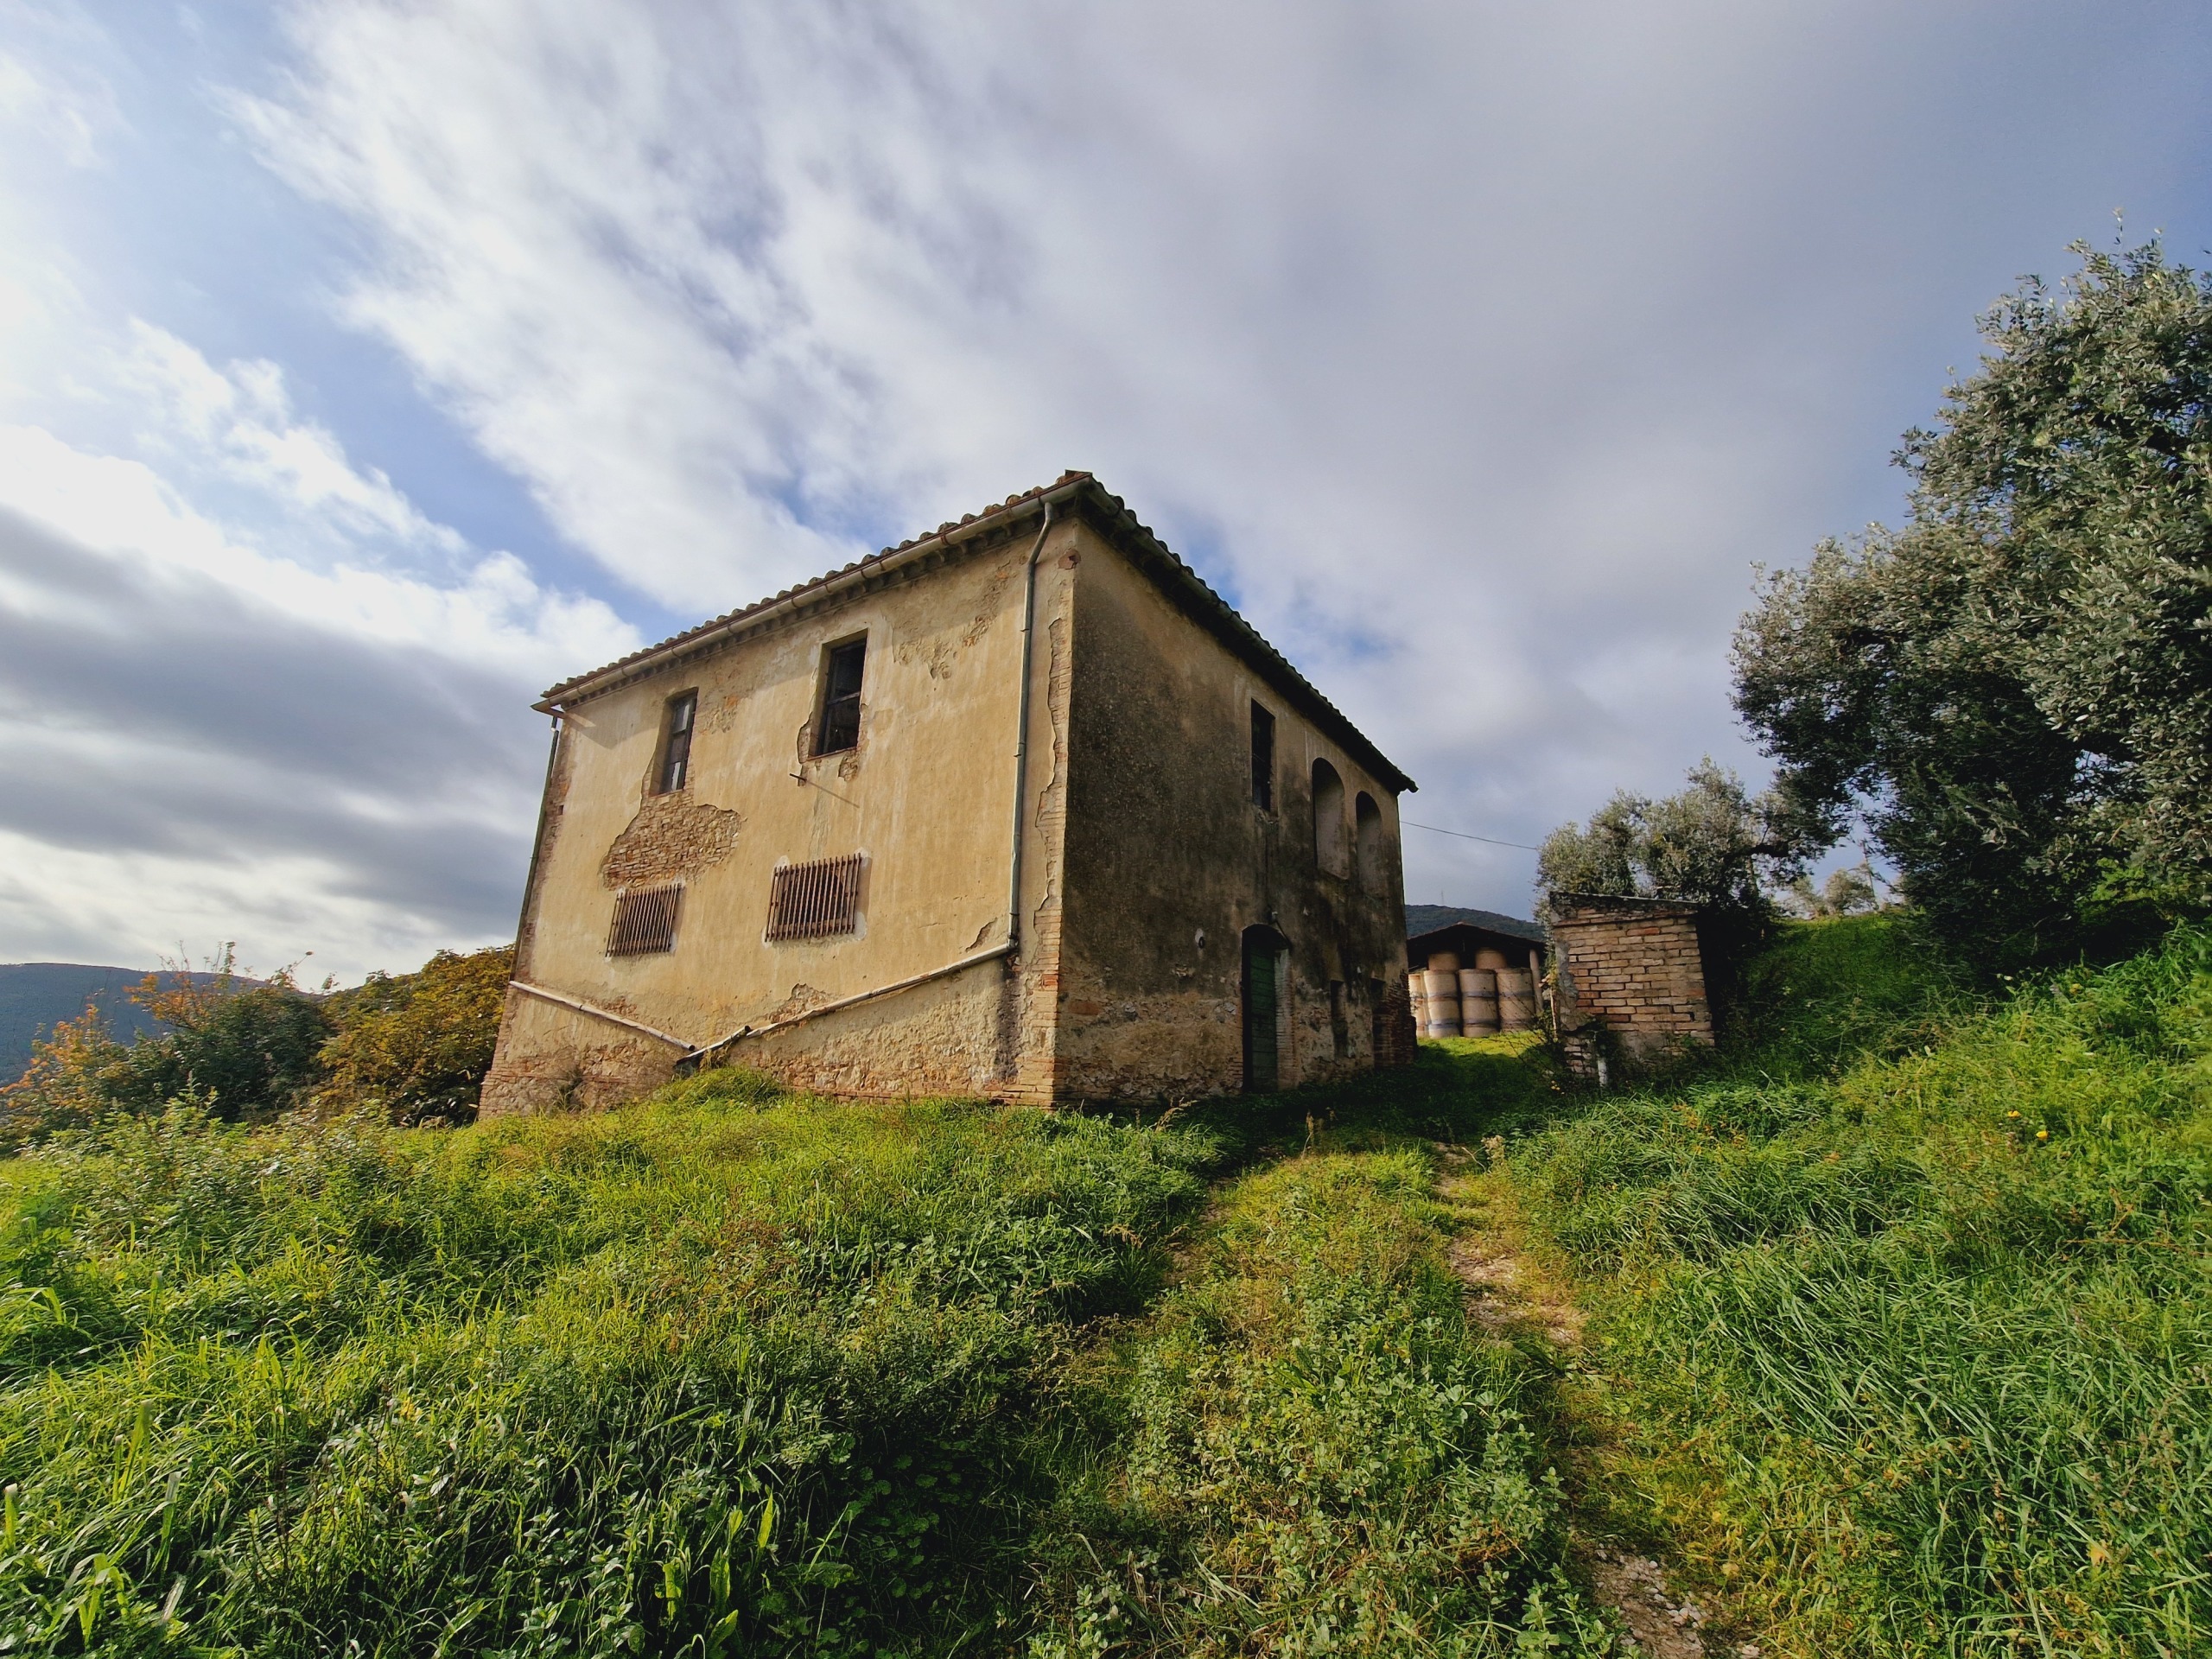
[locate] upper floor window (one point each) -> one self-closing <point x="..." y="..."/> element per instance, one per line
<point x="837" y="725"/>
<point x="675" y="742"/>
<point x="1329" y="820"/>
<point x="1263" y="759"/>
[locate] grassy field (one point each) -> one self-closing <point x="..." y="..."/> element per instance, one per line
<point x="734" y="1372"/>
<point x="1898" y="1345"/>
<point x="1905" y="1309"/>
<point x="723" y="1373"/>
<point x="1316" y="1453"/>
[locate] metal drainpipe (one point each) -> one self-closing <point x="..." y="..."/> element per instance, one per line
<point x="1021" y="735"/>
<point x="537" y="842"/>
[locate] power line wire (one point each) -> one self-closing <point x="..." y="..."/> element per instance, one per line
<point x="1493" y="841"/>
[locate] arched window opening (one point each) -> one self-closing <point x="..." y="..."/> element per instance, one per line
<point x="1367" y="821"/>
<point x="1329" y="851"/>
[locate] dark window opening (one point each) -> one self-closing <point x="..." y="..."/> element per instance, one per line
<point x="839" y="727"/>
<point x="1367" y="830"/>
<point x="1263" y="759"/>
<point x="645" y="922"/>
<point x="675" y="742"/>
<point x="817" y="900"/>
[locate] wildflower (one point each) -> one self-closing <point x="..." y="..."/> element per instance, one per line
<point x="2011" y="1114"/>
<point x="2042" y="1134"/>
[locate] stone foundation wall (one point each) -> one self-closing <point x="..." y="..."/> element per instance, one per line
<point x="949" y="1037"/>
<point x="953" y="1036"/>
<point x="1629" y="977"/>
<point x="556" y="1059"/>
<point x="1401" y="1043"/>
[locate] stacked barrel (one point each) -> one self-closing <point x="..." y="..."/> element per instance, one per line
<point x="1517" y="998"/>
<point x="1449" y="1001"/>
<point x="1439" y="991"/>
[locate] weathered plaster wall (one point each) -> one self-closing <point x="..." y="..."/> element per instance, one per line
<point x="927" y="796"/>
<point x="1628" y="972"/>
<point x="945" y="1038"/>
<point x="1169" y="861"/>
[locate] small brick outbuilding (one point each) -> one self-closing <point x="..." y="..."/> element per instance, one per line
<point x="1628" y="976"/>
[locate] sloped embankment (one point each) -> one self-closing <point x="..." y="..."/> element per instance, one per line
<point x="1321" y="1453"/>
<point x="1912" y="1347"/>
<point x="725" y="1372"/>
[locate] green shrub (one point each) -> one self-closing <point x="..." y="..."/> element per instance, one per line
<point x="417" y="1045"/>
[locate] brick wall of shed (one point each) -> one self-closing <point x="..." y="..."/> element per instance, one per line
<point x="1631" y="977"/>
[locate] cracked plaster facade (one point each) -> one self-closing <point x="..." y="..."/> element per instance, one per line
<point x="1145" y="858"/>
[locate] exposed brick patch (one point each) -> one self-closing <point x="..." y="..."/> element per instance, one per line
<point x="670" y="837"/>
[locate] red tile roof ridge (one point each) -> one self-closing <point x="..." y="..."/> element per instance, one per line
<point x="1073" y="480"/>
<point x="568" y="686"/>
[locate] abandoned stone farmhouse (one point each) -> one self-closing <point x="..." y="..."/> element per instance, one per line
<point x="1021" y="808"/>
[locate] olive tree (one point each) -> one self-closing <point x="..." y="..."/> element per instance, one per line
<point x="2013" y="690"/>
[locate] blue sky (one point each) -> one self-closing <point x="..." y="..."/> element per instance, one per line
<point x="365" y="367"/>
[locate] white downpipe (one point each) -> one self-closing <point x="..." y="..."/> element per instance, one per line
<point x="1021" y="734"/>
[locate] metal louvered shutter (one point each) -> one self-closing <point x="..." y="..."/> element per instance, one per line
<point x="645" y="921"/>
<point x="816" y="900"/>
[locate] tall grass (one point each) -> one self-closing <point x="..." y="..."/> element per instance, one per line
<point x="1319" y="1455"/>
<point x="1921" y="1345"/>
<point x="726" y="1372"/>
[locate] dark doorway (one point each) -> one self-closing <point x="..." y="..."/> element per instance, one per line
<point x="1262" y="1010"/>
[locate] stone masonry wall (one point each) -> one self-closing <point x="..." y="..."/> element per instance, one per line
<point x="1631" y="977"/>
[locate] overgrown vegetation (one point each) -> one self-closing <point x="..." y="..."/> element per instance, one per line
<point x="410" y="1046"/>
<point x="726" y="1372"/>
<point x="1899" y="1325"/>
<point x="1906" y="1306"/>
<point x="1321" y="1456"/>
<point x="417" y="1045"/>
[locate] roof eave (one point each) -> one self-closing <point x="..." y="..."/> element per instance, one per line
<point x="794" y="600"/>
<point x="1232" y="628"/>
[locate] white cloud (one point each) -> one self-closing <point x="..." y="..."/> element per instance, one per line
<point x="1480" y="350"/>
<point x="242" y="417"/>
<point x="51" y="90"/>
<point x="211" y="734"/>
<point x="1477" y="351"/>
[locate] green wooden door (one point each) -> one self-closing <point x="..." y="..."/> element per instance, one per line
<point x="1261" y="1071"/>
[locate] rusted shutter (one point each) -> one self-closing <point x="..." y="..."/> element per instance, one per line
<point x="816" y="900"/>
<point x="645" y="921"/>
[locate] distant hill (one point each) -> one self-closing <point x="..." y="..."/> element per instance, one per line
<point x="36" y="996"/>
<point x="1424" y="919"/>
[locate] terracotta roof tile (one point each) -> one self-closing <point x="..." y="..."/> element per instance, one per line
<point x="1223" y="615"/>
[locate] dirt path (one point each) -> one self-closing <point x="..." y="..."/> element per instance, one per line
<point x="1505" y="1296"/>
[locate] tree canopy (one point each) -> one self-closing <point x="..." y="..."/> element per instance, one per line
<point x="1707" y="845"/>
<point x="2014" y="689"/>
